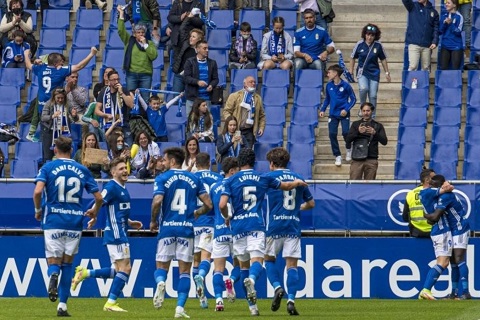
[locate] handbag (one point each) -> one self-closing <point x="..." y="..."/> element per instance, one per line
<point x="360" y="147"/>
<point x="217" y="95"/>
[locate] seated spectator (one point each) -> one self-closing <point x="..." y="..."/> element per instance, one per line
<point x="277" y="48"/>
<point x="192" y="148"/>
<point x="155" y="167"/>
<point x="231" y="140"/>
<point x="451" y="46"/>
<point x="156" y="115"/>
<point x="143" y="150"/>
<point x="243" y="53"/>
<point x="17" y="19"/>
<point x="99" y="86"/>
<point x="14" y="51"/>
<point x="200" y="122"/>
<point x="89" y="141"/>
<point x="56" y="118"/>
<point x="117" y="148"/>
<point x="77" y="96"/>
<point x="312" y="44"/>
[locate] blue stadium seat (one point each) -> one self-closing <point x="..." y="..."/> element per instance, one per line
<point x="222" y="18"/>
<point x="448" y="97"/>
<point x="171" y="115"/>
<point x="301" y="168"/>
<point x="64" y="5"/>
<point x="256" y="18"/>
<point x="285" y="5"/>
<point x="238" y="75"/>
<point x="473" y="116"/>
<point x="443" y="116"/>
<point x="169" y="82"/>
<point x="12" y="77"/>
<point x="257" y="35"/>
<point x="29" y="151"/>
<point x="32" y="93"/>
<point x="447" y="168"/>
<point x="23" y="168"/>
<point x="164" y="16"/>
<point x="89" y="19"/>
<point x="23" y="129"/>
<point x="276" y="78"/>
<point x="261" y="150"/>
<point x="176" y="132"/>
<point x="275" y="115"/>
<point x="156" y="79"/>
<point x="444" y="152"/>
<point x="211" y="149"/>
<point x="220" y="39"/>
<point x="413" y="117"/>
<point x="301" y="151"/>
<point x="158" y="64"/>
<point x="77" y="55"/>
<point x="411" y="135"/>
<point x="289" y="16"/>
<point x="411" y="152"/>
<point x="471" y="170"/>
<point x="306" y="78"/>
<point x="475" y="41"/>
<point x="10" y="96"/>
<point x="4" y="148"/>
<point x="86" y="38"/>
<point x="415" y="98"/>
<point x="216" y="111"/>
<point x="8" y="114"/>
<point x="445" y="134"/>
<point x="164" y="3"/>
<point x="222" y="77"/>
<point x="272" y="134"/>
<point x="448" y="79"/>
<point x="473" y="97"/>
<point x="474" y="79"/>
<point x="34" y="18"/>
<point x="76" y="132"/>
<point x="301" y="134"/>
<point x="220" y="56"/>
<point x="274" y="96"/>
<point x="407" y="170"/>
<point x="476" y="20"/>
<point x="472" y="135"/>
<point x="53" y="39"/>
<point x="472" y="152"/>
<point x="113" y="58"/>
<point x="55" y="19"/>
<point x="261" y="166"/>
<point x="423" y="81"/>
<point x="307" y="96"/>
<point x="169" y="144"/>
<point x="113" y="40"/>
<point x="304" y="116"/>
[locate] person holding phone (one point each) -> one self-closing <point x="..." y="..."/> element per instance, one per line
<point x="12" y="56"/>
<point x="231" y="140"/>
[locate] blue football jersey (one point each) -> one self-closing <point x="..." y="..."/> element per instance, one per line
<point x="117" y="201"/>
<point x="221" y="229"/>
<point x="247" y="189"/>
<point x="283" y="207"/>
<point x="428" y="198"/>
<point x="208" y="178"/>
<point x="49" y="78"/>
<point x="64" y="181"/>
<point x="180" y="190"/>
<point x="455" y="213"/>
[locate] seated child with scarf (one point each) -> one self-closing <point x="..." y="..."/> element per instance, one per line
<point x="243" y="53"/>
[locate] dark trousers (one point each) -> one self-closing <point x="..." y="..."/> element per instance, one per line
<point x="249" y="136"/>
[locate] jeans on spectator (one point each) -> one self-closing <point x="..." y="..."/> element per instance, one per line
<point x="466" y="11"/>
<point x="333" y="132"/>
<point x="300" y="63"/>
<point x="368" y="87"/>
<point x="363" y="169"/>
<point x="139" y="80"/>
<point x="178" y="83"/>
<point x="451" y="57"/>
<point x="415" y="53"/>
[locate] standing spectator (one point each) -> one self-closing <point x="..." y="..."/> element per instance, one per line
<point x="200" y="122"/>
<point x="89" y="141"/>
<point x="451" y="47"/>
<point x="201" y="76"/>
<point x="368" y="51"/>
<point x="146" y="12"/>
<point x="139" y="56"/>
<point x="246" y="106"/>
<point x="192" y="148"/>
<point x="340" y="97"/>
<point x="277" y="47"/>
<point x="243" y="52"/>
<point x="369" y="132"/>
<point x="145" y="149"/>
<point x="312" y="44"/>
<point x="17" y="19"/>
<point x="422" y="32"/>
<point x="14" y="51"/>
<point x="465" y="9"/>
<point x="231" y="140"/>
<point x="187" y="51"/>
<point x="77" y="96"/>
<point x="99" y="86"/>
<point x="313" y="4"/>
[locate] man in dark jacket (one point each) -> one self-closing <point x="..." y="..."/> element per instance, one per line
<point x="201" y="76"/>
<point x="422" y="32"/>
<point x="148" y="15"/>
<point x="368" y="131"/>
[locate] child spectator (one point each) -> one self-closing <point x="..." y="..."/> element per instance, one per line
<point x="277" y="47"/>
<point x="13" y="53"/>
<point x="243" y="53"/>
<point x="200" y="122"/>
<point x="340" y="96"/>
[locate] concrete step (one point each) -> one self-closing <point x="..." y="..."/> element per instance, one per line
<point x="344" y="170"/>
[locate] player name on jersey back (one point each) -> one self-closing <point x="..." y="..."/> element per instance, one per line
<point x="180" y="176"/>
<point x="70" y="167"/>
<point x="246" y="177"/>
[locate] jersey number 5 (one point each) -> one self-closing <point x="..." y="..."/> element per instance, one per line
<point x="249" y="198"/>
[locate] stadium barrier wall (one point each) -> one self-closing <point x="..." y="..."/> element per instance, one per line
<point x="393" y="268"/>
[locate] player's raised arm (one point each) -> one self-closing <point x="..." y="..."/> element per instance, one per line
<point x="156" y="203"/>
<point x="289" y="185"/>
<point x="26" y="58"/>
<point x="79" y="66"/>
<point x="207" y="205"/>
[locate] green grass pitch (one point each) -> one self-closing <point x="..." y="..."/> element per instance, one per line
<point x="139" y="309"/>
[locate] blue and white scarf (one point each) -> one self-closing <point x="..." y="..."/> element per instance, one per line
<point x="136" y="15"/>
<point x="276" y="44"/>
<point x="232" y="152"/>
<point x="110" y="108"/>
<point x="60" y="124"/>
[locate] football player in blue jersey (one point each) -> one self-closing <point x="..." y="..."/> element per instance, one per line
<point x="51" y="76"/>
<point x="222" y="240"/>
<point x="283" y="228"/>
<point x="117" y="199"/>
<point x="176" y="192"/>
<point x="247" y="189"/>
<point x="62" y="182"/>
<point x="203" y="227"/>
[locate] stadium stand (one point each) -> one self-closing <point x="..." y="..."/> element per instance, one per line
<point x="89" y="19"/>
<point x="222" y="18"/>
<point x="55" y="19"/>
<point x="276" y="78"/>
<point x="24" y="168"/>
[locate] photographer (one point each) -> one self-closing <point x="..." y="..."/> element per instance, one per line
<point x="17" y="19"/>
<point x="365" y="135"/>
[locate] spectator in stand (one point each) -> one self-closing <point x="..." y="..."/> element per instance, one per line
<point x="17" y="19"/>
<point x="99" y="86"/>
<point x="187" y="51"/>
<point x="451" y="47"/>
<point x="102" y="5"/>
<point x="139" y="55"/>
<point x="117" y="148"/>
<point x="368" y="51"/>
<point x="57" y="116"/>
<point x="200" y="122"/>
<point x="89" y="141"/>
<point x="246" y="106"/>
<point x="94" y="122"/>
<point x="77" y="96"/>
<point x="243" y="53"/>
<point x="147" y="14"/>
<point x="14" y="51"/>
<point x="201" y="76"/>
<point x="422" y="32"/>
<point x="143" y="150"/>
<point x="313" y="4"/>
<point x="192" y="148"/>
<point x="312" y="44"/>
<point x="277" y="47"/>
<point x="465" y="9"/>
<point x="231" y="140"/>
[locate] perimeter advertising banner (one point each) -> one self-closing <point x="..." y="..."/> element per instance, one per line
<point x="391" y="268"/>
